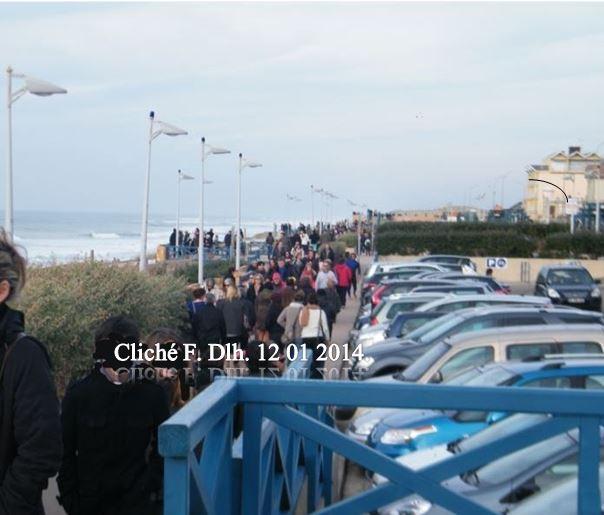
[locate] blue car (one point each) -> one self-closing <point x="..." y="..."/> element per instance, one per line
<point x="406" y="431"/>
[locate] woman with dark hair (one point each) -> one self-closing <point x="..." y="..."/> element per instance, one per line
<point x="261" y="307"/>
<point x="30" y="428"/>
<point x="170" y="375"/>
<point x="275" y="330"/>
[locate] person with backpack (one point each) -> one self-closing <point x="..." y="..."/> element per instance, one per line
<point x="30" y="426"/>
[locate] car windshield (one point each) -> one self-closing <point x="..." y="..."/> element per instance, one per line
<point x="569" y="277"/>
<point x="418" y="368"/>
<point x="492" y="376"/>
<point x="435" y="329"/>
<point x="500" y="430"/>
<point x="514" y="464"/>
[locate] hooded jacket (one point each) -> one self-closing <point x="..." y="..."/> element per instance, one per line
<point x="30" y="429"/>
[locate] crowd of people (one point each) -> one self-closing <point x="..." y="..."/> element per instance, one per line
<point x="102" y="439"/>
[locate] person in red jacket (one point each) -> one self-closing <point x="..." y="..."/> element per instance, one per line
<point x="344" y="275"/>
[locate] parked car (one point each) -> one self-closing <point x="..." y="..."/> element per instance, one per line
<point x="397" y="354"/>
<point x="387" y="266"/>
<point x="390" y="287"/>
<point x="462" y="288"/>
<point x="391" y="434"/>
<point x="404" y="323"/>
<point x="453" y="303"/>
<point x="453" y="263"/>
<point x="495" y="285"/>
<point x="571" y="285"/>
<point x="388" y="308"/>
<point x="379" y="277"/>
<point x="401" y="328"/>
<point x="504" y="483"/>
<point x="560" y="499"/>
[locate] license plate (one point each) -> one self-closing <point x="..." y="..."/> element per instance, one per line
<point x="576" y="300"/>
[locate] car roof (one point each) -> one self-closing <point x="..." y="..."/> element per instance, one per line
<point x="419" y="295"/>
<point x="524" y="299"/>
<point x="487" y="310"/>
<point x="573" y="266"/>
<point x="444" y="256"/>
<point x="524" y="367"/>
<point x="520" y="332"/>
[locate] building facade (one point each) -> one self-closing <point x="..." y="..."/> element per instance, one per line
<point x="575" y="172"/>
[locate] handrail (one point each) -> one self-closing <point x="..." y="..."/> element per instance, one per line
<point x="288" y="439"/>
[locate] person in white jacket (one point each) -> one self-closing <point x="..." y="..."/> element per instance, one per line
<point x="315" y="332"/>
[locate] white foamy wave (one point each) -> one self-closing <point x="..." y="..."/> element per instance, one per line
<point x="104" y="235"/>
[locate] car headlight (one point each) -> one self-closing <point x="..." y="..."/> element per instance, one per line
<point x="371" y="340"/>
<point x="398" y="436"/>
<point x="364" y="428"/>
<point x="365" y="362"/>
<point x="553" y="293"/>
<point x="595" y="292"/>
<point x="413" y="505"/>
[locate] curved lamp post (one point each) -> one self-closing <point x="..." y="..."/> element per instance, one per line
<point x="243" y="163"/>
<point x="206" y="150"/>
<point x="156" y="128"/>
<point x="34" y="86"/>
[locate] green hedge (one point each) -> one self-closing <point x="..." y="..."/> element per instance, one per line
<point x="216" y="268"/>
<point x="499" y="243"/>
<point x="483" y="239"/>
<point x="64" y="305"/>
<point x="527" y="229"/>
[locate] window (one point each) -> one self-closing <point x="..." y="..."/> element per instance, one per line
<point x="529" y="350"/>
<point x="581" y="348"/>
<point x="522" y="319"/>
<point x="454" y="306"/>
<point x="594" y="382"/>
<point x="473" y="357"/>
<point x="412" y="324"/>
<point x="578" y="318"/>
<point x="569" y="277"/>
<point x="549" y="382"/>
<point x="476" y="325"/>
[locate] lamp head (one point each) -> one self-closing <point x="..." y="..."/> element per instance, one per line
<point x="42" y="88"/>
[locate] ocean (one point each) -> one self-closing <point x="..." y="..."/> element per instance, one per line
<point x="47" y="237"/>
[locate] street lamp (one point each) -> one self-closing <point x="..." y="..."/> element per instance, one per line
<point x="37" y="87"/>
<point x="156" y="128"/>
<point x="206" y="150"/>
<point x="243" y="163"/>
<point x="181" y="177"/>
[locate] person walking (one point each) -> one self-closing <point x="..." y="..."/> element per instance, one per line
<point x="314" y="331"/>
<point x="355" y="267"/>
<point x="309" y="272"/>
<point x="344" y="276"/>
<point x="289" y="320"/>
<point x="325" y="274"/>
<point x="30" y="427"/>
<point x="270" y="243"/>
<point x="111" y="465"/>
<point x="208" y="327"/>
<point x="236" y="318"/>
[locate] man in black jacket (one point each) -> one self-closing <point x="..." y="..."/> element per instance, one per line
<point x="30" y="430"/>
<point x="208" y="327"/>
<point x="110" y="464"/>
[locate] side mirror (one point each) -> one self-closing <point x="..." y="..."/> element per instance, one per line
<point x="598" y="281"/>
<point x="437" y="377"/>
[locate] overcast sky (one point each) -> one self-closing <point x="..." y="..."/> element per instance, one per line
<point x="399" y="105"/>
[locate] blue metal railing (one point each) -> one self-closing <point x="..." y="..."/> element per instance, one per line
<point x="263" y="475"/>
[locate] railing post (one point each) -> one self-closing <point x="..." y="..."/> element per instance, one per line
<point x="589" y="465"/>
<point x="251" y="480"/>
<point x="177" y="486"/>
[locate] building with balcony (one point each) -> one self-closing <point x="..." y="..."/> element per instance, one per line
<point x="575" y="172"/>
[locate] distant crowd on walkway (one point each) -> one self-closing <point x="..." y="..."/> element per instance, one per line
<point x="289" y="239"/>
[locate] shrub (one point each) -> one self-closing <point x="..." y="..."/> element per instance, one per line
<point x="349" y="239"/>
<point x="571" y="245"/>
<point x="64" y="304"/>
<point x="216" y="268"/>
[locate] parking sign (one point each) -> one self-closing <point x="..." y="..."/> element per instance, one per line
<point x="497" y="262"/>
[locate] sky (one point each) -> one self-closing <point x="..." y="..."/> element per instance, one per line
<point x="396" y="105"/>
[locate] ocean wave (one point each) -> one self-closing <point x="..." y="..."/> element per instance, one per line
<point x="104" y="235"/>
